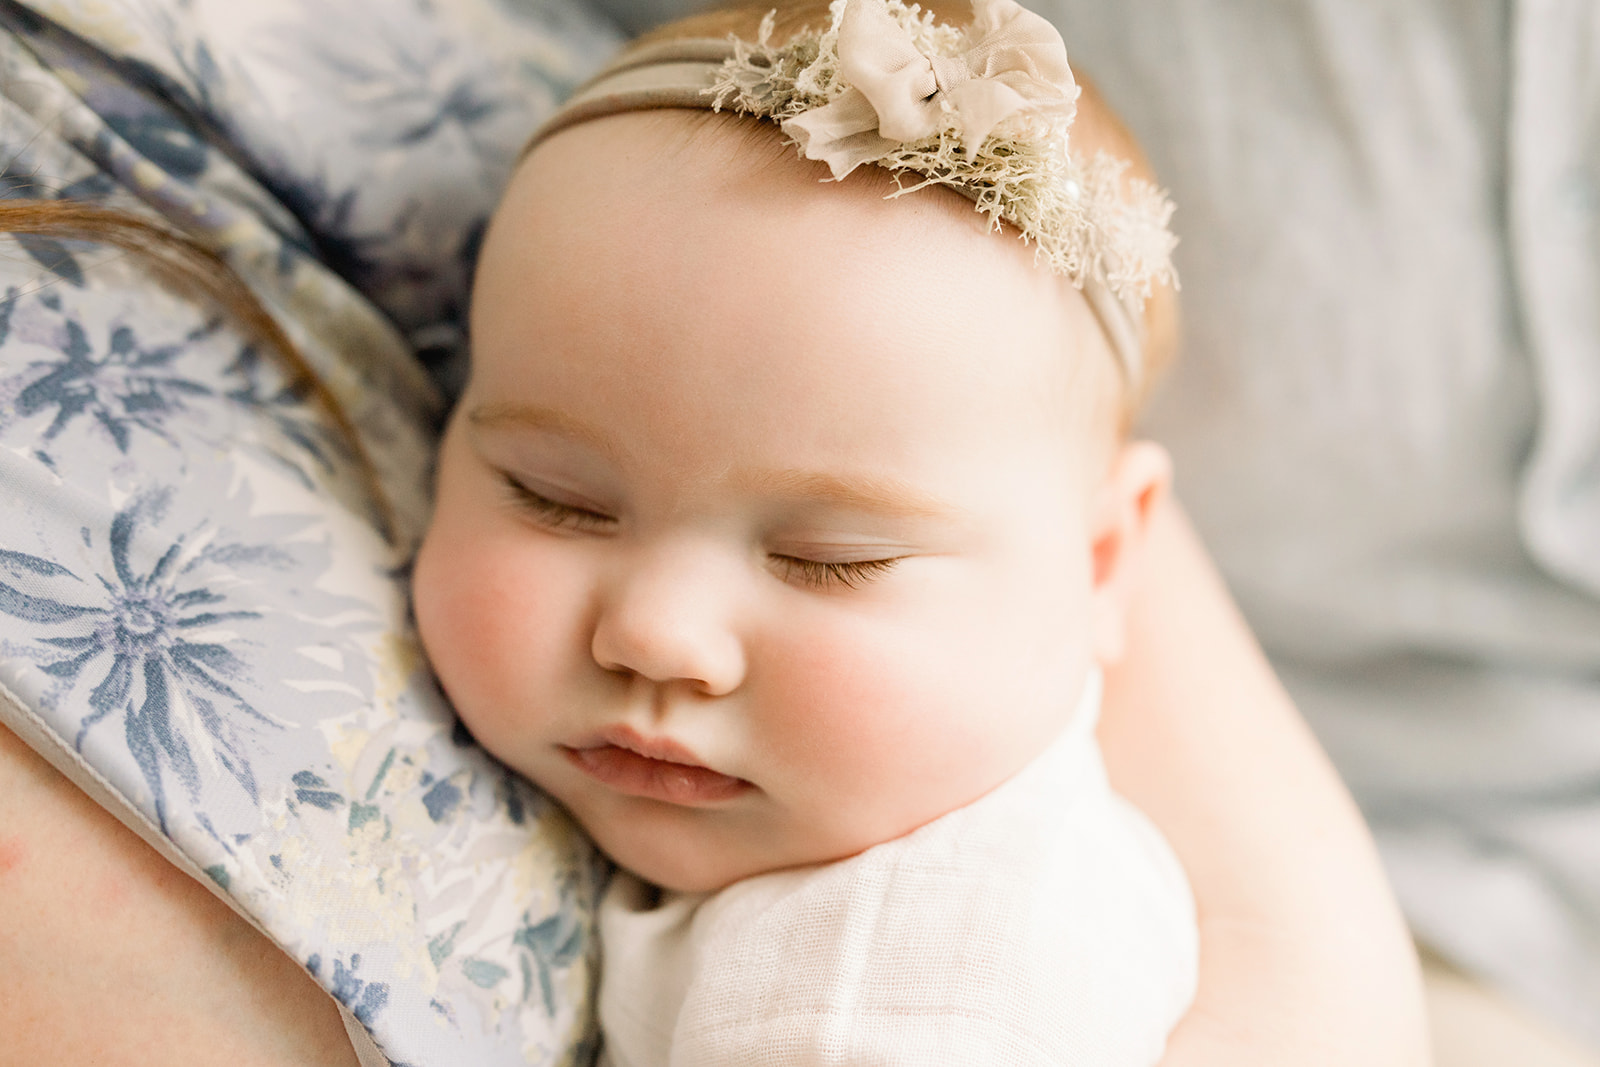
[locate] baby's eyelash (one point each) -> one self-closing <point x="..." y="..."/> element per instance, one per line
<point x="555" y="515"/>
<point x="820" y="575"/>
<point x="816" y="574"/>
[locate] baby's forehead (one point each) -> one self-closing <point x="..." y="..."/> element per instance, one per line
<point x="686" y="191"/>
<point x="753" y="241"/>
<point x="708" y="179"/>
<point x="729" y="157"/>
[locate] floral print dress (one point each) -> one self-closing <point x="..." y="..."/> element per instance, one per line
<point x="199" y="619"/>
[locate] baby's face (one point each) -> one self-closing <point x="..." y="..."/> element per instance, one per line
<point x="764" y="528"/>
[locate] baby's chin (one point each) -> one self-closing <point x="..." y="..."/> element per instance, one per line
<point x="698" y="862"/>
<point x="673" y="878"/>
<point x="685" y="869"/>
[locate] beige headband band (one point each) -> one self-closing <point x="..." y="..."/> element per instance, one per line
<point x="685" y="73"/>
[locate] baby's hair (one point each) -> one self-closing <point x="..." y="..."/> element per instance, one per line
<point x="1096" y="129"/>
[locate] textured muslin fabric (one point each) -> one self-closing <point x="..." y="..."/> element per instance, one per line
<point x="1045" y="923"/>
<point x="1386" y="418"/>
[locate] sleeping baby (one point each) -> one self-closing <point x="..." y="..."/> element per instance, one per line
<point x="786" y="522"/>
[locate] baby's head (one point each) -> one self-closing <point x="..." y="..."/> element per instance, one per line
<point x="777" y="518"/>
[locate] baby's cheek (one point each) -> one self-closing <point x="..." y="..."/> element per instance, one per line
<point x="503" y="619"/>
<point x="468" y="618"/>
<point x="884" y="740"/>
<point x="444" y="596"/>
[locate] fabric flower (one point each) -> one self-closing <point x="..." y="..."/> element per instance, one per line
<point x="1013" y="61"/>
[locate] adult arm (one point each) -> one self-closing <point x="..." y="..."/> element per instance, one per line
<point x="1304" y="958"/>
<point x="109" y="955"/>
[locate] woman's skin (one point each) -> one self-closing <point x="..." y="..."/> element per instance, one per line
<point x="110" y="956"/>
<point x="1304" y="958"/>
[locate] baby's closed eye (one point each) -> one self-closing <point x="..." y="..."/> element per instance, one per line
<point x="553" y="513"/>
<point x="820" y="574"/>
<point x="543" y="508"/>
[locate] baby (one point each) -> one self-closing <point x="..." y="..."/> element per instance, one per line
<point x="785" y="523"/>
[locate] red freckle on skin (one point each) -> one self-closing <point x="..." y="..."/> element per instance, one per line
<point x="13" y="851"/>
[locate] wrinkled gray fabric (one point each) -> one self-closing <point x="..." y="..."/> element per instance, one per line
<point x="636" y="16"/>
<point x="1387" y="417"/>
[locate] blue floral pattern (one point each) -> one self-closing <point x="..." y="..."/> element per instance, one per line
<point x="137" y="633"/>
<point x="124" y="384"/>
<point x="193" y="595"/>
<point x="123" y="387"/>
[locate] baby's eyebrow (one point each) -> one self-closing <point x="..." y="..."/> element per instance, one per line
<point x="885" y="496"/>
<point x="549" y="420"/>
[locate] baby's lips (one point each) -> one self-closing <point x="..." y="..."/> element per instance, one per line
<point x="634" y="774"/>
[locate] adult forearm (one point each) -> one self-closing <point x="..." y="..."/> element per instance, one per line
<point x="111" y="956"/>
<point x="1304" y="957"/>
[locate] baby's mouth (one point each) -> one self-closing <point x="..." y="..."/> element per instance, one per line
<point x="637" y="766"/>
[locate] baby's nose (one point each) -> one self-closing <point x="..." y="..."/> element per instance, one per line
<point x="666" y="615"/>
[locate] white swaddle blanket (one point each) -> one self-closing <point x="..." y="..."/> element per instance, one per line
<point x="1046" y="923"/>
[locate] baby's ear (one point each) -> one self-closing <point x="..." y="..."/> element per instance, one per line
<point x="1139" y="478"/>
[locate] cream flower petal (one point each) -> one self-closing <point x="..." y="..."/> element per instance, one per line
<point x="843" y="134"/>
<point x="982" y="105"/>
<point x="879" y="58"/>
<point x="1013" y="39"/>
<point x="1016" y="62"/>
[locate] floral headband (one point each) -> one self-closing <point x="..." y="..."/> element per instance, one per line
<point x="984" y="110"/>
